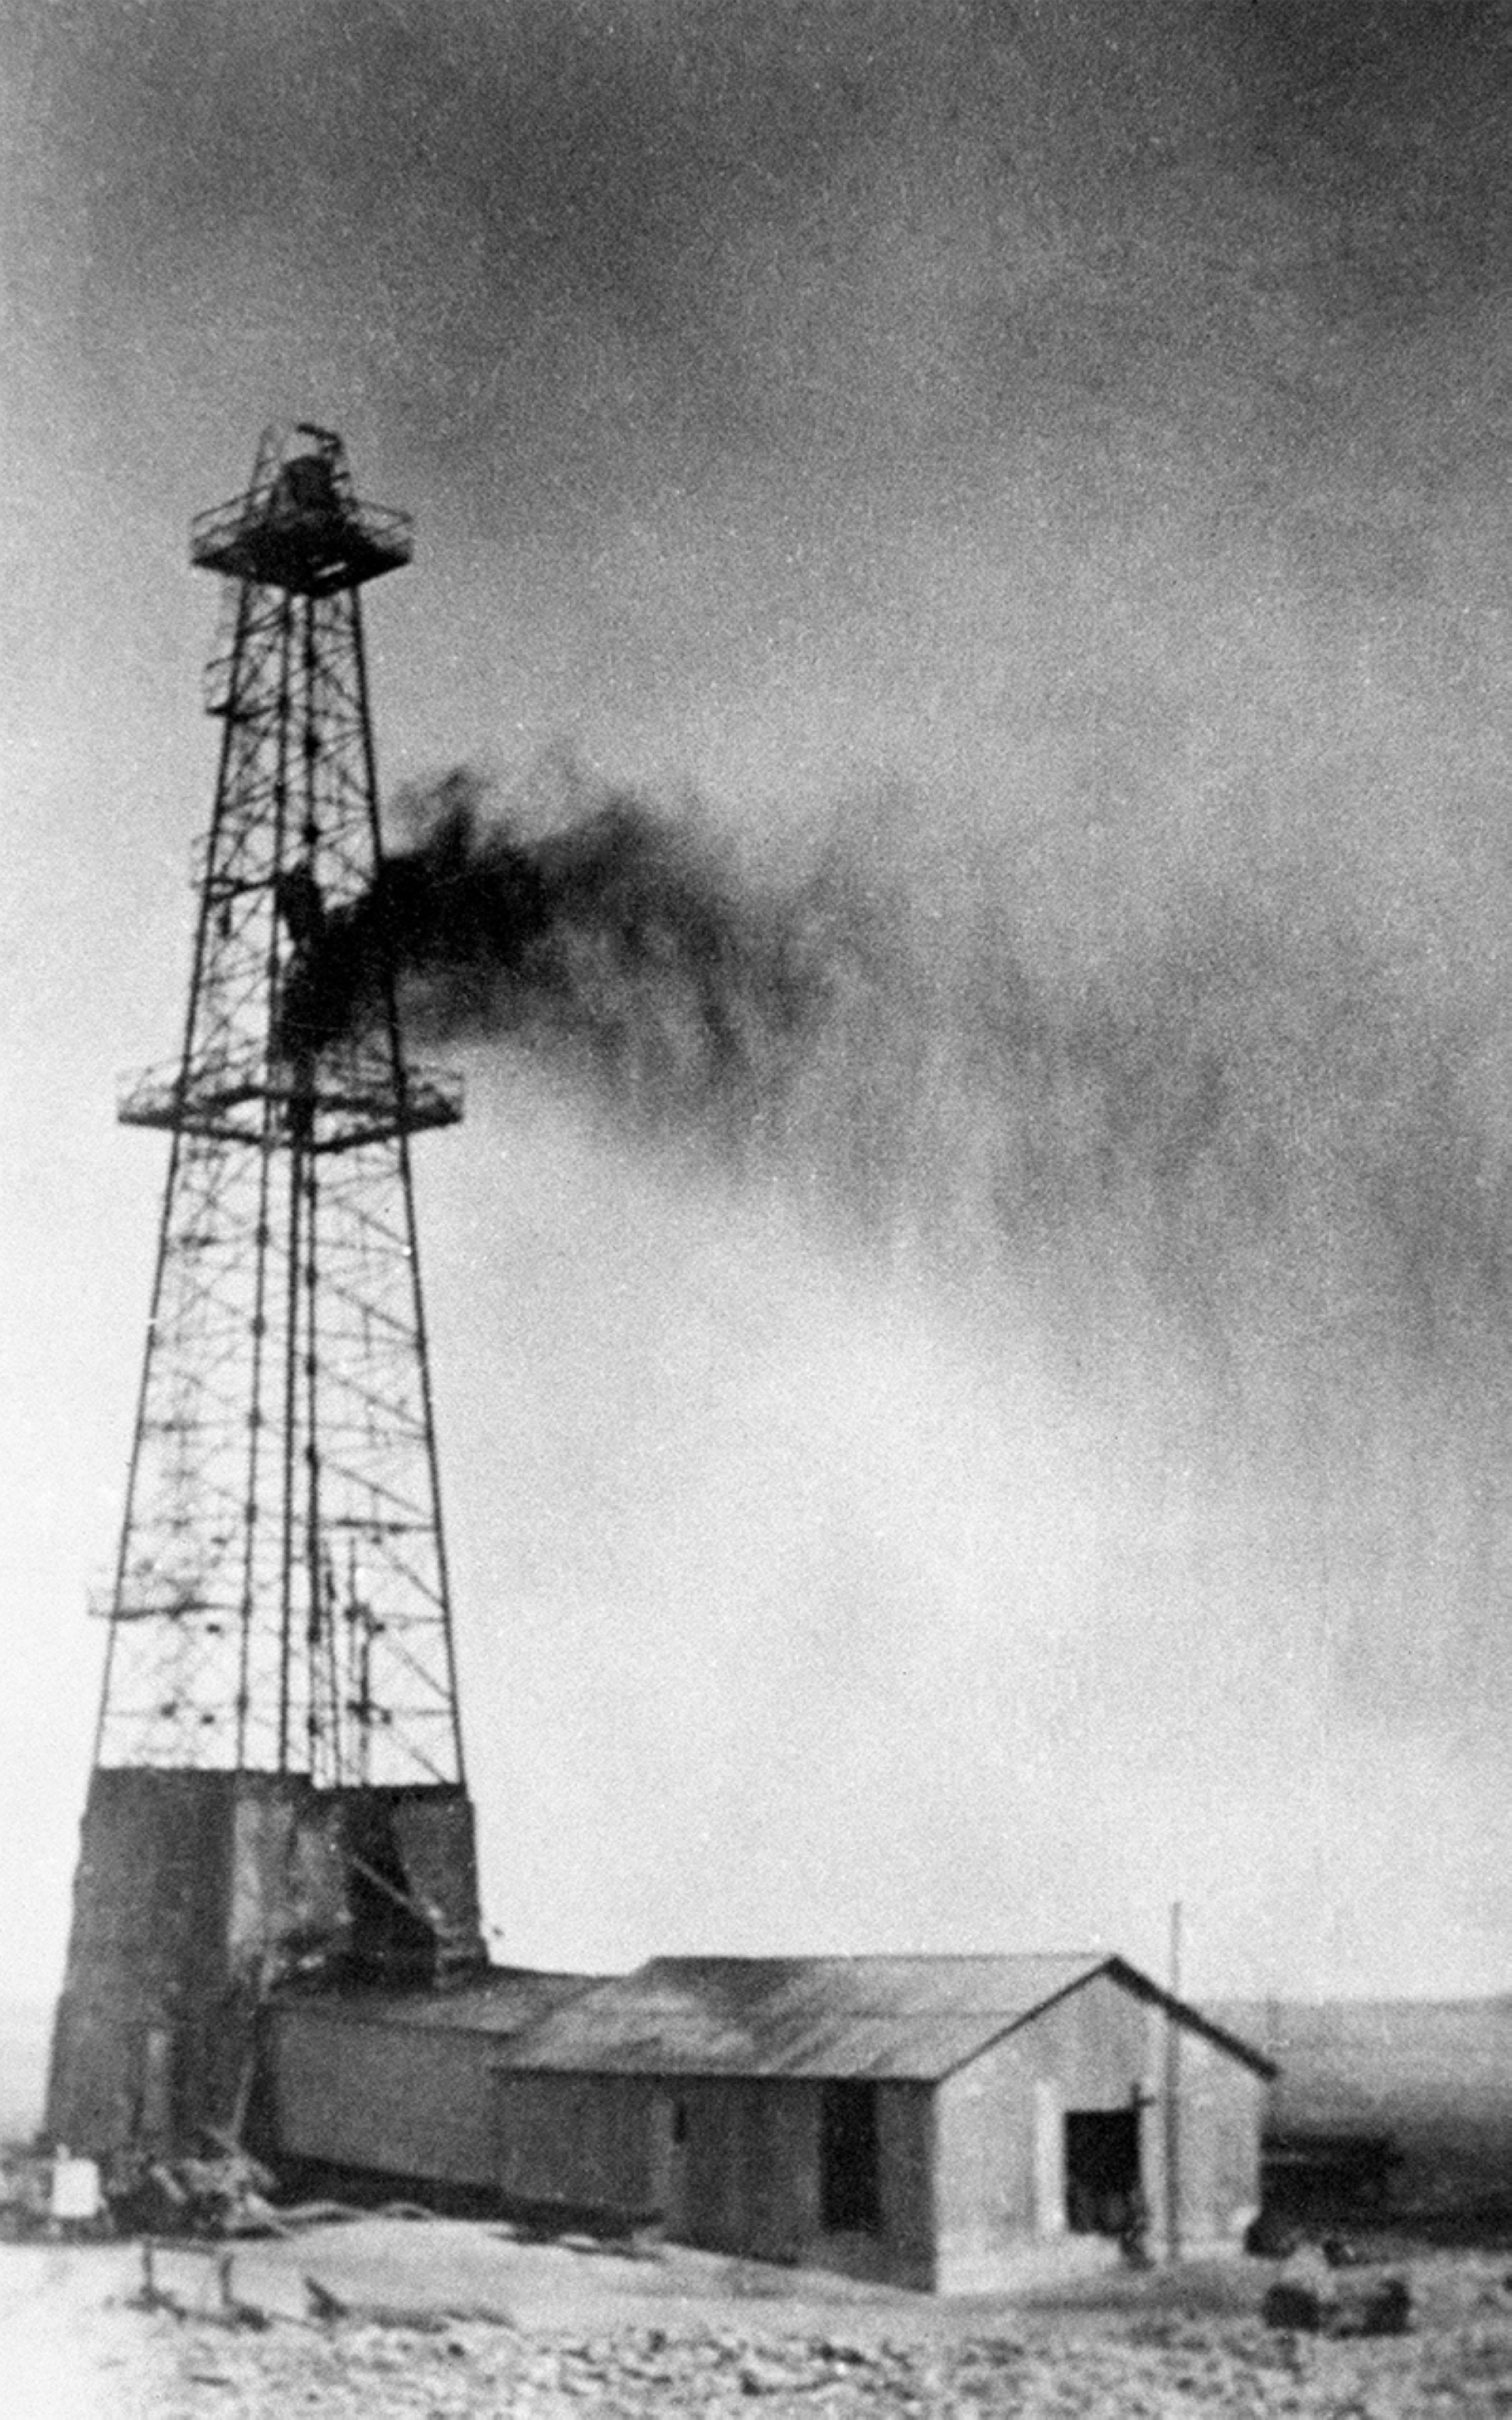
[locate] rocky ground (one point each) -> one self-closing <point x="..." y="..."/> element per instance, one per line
<point x="417" y="2328"/>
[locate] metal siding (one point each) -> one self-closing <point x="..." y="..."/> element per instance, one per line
<point x="754" y="2176"/>
<point x="1093" y="2050"/>
<point x="1098" y="2045"/>
<point x="789" y="2186"/>
<point x="717" y="2163"/>
<point x="985" y="2160"/>
<point x="1233" y="2117"/>
<point x="906" y="2131"/>
<point x="751" y="2183"/>
<point x="402" y="2101"/>
<point x="583" y="2141"/>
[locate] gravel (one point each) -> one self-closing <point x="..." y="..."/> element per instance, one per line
<point x="1051" y="2368"/>
<point x="72" y="2343"/>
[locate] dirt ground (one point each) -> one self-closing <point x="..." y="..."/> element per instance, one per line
<point x="438" y="2321"/>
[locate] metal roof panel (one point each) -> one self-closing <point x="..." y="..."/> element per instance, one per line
<point x="882" y="2017"/>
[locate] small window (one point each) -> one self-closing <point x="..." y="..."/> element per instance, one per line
<point x="679" y="2122"/>
<point x="850" y="2179"/>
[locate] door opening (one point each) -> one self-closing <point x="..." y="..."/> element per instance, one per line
<point x="850" y="2171"/>
<point x="1102" y="2184"/>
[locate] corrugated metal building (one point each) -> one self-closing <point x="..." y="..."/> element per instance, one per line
<point x="955" y="2124"/>
<point x="947" y="2123"/>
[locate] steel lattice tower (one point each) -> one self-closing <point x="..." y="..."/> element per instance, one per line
<point x="280" y="1655"/>
<point x="281" y="1599"/>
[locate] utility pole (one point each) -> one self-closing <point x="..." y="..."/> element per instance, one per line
<point x="1173" y="2094"/>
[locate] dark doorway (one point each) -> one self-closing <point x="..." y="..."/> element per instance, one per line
<point x="850" y="2183"/>
<point x="1102" y="2191"/>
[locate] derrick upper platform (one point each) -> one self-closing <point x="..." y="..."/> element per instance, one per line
<point x="350" y="1099"/>
<point x="300" y="528"/>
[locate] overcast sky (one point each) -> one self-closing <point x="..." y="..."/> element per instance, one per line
<point x="1038" y="475"/>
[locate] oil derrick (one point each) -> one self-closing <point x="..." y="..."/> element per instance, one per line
<point x="278" y="1793"/>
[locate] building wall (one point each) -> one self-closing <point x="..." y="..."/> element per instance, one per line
<point x="585" y="2142"/>
<point x="403" y="2100"/>
<point x="744" y="2178"/>
<point x="1221" y="2108"/>
<point x="1000" y="2185"/>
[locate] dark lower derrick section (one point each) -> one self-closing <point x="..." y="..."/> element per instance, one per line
<point x="196" y="1894"/>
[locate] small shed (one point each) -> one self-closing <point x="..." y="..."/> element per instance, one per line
<point x="955" y="2124"/>
<point x="396" y="2084"/>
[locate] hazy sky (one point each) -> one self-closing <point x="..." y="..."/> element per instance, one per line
<point x="1038" y="475"/>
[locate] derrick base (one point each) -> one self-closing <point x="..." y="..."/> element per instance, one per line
<point x="197" y="1893"/>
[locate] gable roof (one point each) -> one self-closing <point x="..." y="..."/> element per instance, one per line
<point x="884" y="2018"/>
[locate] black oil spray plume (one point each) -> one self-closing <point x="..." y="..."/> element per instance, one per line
<point x="1247" y="1107"/>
